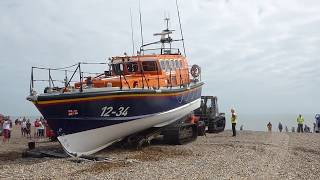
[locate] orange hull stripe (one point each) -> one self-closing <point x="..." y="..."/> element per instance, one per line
<point x="106" y="97"/>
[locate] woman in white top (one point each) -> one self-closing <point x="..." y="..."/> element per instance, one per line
<point x="6" y="130"/>
<point x="41" y="129"/>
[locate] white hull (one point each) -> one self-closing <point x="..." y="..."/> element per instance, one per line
<point x="92" y="141"/>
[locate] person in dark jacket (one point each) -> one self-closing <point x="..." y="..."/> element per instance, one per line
<point x="280" y="127"/>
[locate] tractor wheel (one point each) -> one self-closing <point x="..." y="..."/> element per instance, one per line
<point x="217" y="124"/>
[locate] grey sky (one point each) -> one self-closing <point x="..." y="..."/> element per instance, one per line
<point x="258" y="56"/>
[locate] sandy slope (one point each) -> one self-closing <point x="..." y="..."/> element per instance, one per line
<point x="249" y="155"/>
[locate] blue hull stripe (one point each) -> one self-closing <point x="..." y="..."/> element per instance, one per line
<point x="81" y="116"/>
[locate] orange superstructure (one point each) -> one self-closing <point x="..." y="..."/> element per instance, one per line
<point x="154" y="71"/>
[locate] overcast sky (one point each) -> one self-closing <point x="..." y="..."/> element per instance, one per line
<point x="260" y="56"/>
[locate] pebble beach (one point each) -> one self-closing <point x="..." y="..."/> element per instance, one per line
<point x="250" y="155"/>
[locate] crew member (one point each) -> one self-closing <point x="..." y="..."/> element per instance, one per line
<point x="300" y="121"/>
<point x="89" y="82"/>
<point x="233" y="121"/>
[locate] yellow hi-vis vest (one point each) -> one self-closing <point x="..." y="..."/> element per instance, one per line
<point x="234" y="118"/>
<point x="300" y="120"/>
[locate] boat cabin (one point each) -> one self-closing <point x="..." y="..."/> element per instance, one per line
<point x="148" y="71"/>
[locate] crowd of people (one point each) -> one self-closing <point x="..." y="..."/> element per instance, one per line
<point x="302" y="127"/>
<point x="6" y="127"/>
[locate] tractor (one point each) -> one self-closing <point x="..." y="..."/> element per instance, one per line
<point x="209" y="115"/>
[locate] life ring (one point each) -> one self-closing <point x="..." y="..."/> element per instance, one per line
<point x="195" y="71"/>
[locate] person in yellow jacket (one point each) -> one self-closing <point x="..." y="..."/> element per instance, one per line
<point x="300" y="121"/>
<point x="233" y="121"/>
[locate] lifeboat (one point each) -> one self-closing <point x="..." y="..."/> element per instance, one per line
<point x="135" y="93"/>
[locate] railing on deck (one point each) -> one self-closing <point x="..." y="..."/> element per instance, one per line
<point x="68" y="69"/>
<point x="163" y="51"/>
<point x="66" y="81"/>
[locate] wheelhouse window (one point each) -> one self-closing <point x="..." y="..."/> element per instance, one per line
<point x="172" y="64"/>
<point x="118" y="68"/>
<point x="149" y="66"/>
<point x="181" y="65"/>
<point x="177" y="64"/>
<point x="167" y="66"/>
<point x="132" y="67"/>
<point x="163" y="65"/>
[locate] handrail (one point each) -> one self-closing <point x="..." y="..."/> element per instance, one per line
<point x="179" y="78"/>
<point x="67" y="67"/>
<point x="52" y="69"/>
<point x="64" y="69"/>
<point x="162" y="50"/>
<point x="54" y="80"/>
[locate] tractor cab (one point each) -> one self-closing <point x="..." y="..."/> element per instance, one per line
<point x="208" y="107"/>
<point x="208" y="112"/>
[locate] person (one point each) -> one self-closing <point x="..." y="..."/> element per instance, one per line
<point x="269" y="126"/>
<point x="89" y="82"/>
<point x="293" y="129"/>
<point x="300" y="121"/>
<point x="241" y="127"/>
<point x="203" y="106"/>
<point x="1" y="124"/>
<point x="287" y="130"/>
<point x="36" y="125"/>
<point x="233" y="121"/>
<point x="24" y="127"/>
<point x="306" y="128"/>
<point x="280" y="127"/>
<point x="16" y="122"/>
<point x="41" y="129"/>
<point x="317" y="123"/>
<point x="28" y="129"/>
<point x="19" y="120"/>
<point x="10" y="122"/>
<point x="6" y="130"/>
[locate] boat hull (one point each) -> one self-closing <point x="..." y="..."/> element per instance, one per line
<point x="88" y="122"/>
<point x="91" y="141"/>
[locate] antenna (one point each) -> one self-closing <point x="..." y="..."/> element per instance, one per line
<point x="167" y="22"/>
<point x="132" y="33"/>
<point x="184" y="49"/>
<point x="140" y="26"/>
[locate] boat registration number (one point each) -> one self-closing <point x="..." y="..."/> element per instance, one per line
<point x="110" y="111"/>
